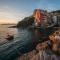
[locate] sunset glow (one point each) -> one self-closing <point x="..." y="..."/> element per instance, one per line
<point x="12" y="11"/>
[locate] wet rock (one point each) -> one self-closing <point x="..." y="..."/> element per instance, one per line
<point x="55" y="38"/>
<point x="27" y="56"/>
<point x="42" y="52"/>
<point x="42" y="46"/>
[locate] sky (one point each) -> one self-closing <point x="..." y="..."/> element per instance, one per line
<point x="12" y="11"/>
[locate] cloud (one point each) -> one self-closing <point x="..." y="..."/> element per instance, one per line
<point x="9" y="14"/>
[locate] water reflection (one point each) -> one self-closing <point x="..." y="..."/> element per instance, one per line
<point x="31" y="38"/>
<point x="24" y="41"/>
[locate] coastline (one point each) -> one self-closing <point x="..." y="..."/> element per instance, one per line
<point x="37" y="54"/>
<point x="12" y="26"/>
<point x="42" y="51"/>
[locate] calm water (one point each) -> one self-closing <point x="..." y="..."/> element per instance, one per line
<point x="4" y="30"/>
<point x="24" y="41"/>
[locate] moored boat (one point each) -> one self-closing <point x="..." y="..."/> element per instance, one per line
<point x="9" y="37"/>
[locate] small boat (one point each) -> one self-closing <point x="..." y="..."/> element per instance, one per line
<point x="9" y="37"/>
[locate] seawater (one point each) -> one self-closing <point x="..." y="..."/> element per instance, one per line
<point x="24" y="41"/>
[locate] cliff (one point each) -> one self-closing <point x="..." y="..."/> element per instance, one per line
<point x="27" y="21"/>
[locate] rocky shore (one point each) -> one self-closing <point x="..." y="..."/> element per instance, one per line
<point x="44" y="51"/>
<point x="39" y="55"/>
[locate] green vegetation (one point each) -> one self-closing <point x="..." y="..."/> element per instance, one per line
<point x="27" y="21"/>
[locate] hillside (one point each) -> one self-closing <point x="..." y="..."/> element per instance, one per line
<point x="27" y="21"/>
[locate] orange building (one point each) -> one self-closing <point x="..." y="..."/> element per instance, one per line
<point x="39" y="16"/>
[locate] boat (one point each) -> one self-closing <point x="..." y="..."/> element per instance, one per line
<point x="9" y="37"/>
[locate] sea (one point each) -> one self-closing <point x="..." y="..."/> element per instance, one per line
<point x="25" y="40"/>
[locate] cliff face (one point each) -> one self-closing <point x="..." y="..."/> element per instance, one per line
<point x="27" y="21"/>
